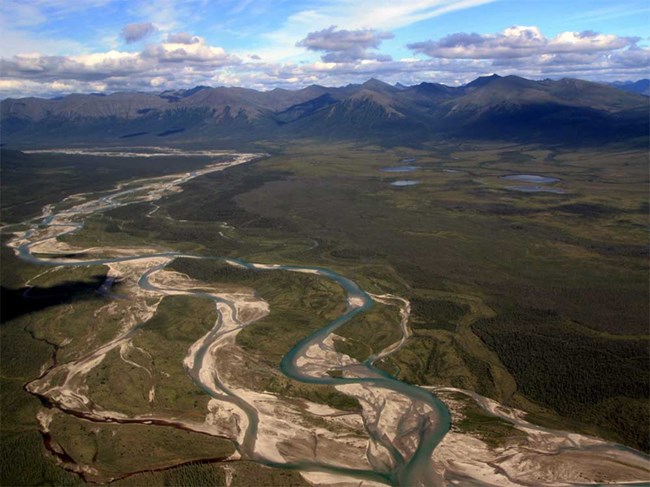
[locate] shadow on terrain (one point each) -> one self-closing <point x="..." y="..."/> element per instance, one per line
<point x="17" y="302"/>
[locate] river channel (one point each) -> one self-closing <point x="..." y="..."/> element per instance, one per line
<point x="413" y="469"/>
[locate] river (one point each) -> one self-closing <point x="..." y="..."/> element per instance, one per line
<point x="412" y="469"/>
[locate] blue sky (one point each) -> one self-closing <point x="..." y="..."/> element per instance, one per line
<point x="51" y="47"/>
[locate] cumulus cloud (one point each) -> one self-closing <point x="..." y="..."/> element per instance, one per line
<point x="519" y="42"/>
<point x="135" y="32"/>
<point x="182" y="38"/>
<point x="526" y="51"/>
<point x="195" y="52"/>
<point x="90" y="67"/>
<point x="341" y="46"/>
<point x="156" y="65"/>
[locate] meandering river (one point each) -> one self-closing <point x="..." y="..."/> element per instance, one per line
<point x="430" y="428"/>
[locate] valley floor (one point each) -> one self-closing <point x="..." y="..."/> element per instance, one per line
<point x="141" y="345"/>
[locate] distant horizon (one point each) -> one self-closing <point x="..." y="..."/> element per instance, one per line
<point x="55" y="47"/>
<point x="298" y="88"/>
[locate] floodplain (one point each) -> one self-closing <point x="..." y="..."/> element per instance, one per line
<point x="535" y="300"/>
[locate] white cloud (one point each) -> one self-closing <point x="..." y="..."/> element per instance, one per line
<point x="346" y="45"/>
<point x="519" y="42"/>
<point x="156" y="65"/>
<point x="588" y="41"/>
<point x="196" y="52"/>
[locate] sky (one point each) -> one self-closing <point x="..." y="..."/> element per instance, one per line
<point x="55" y="47"/>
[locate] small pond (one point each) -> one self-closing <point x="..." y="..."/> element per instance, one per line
<point x="536" y="189"/>
<point x="530" y="178"/>
<point x="399" y="169"/>
<point x="404" y="182"/>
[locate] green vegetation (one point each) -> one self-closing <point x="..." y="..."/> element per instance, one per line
<point x="315" y="393"/>
<point x="537" y="300"/>
<point x="188" y="475"/>
<point x="113" y="449"/>
<point x="494" y="431"/>
<point x="23" y="193"/>
<point x="24" y="461"/>
<point x="435" y="357"/>
<point x="241" y="474"/>
<point x="23" y="458"/>
<point x="119" y="386"/>
<point x="581" y="254"/>
<point x="605" y="381"/>
<point x="159" y="346"/>
<point x="178" y="323"/>
<point x="436" y="313"/>
<point x="28" y="341"/>
<point x="371" y="332"/>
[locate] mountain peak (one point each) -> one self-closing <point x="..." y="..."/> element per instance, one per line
<point x="377" y="85"/>
<point x="641" y="87"/>
<point x="483" y="81"/>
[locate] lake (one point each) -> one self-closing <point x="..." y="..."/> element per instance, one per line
<point x="536" y="189"/>
<point x="399" y="169"/>
<point x="530" y="178"/>
<point x="404" y="182"/>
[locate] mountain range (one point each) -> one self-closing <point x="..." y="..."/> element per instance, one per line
<point x="642" y="86"/>
<point x="567" y="111"/>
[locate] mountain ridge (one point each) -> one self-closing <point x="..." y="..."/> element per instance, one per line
<point x="509" y="108"/>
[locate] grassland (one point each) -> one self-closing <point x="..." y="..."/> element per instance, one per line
<point x="471" y="419"/>
<point x="578" y="258"/>
<point x="114" y="449"/>
<point x="371" y="332"/>
<point x="24" y="193"/>
<point x="239" y="474"/>
<point x="159" y="348"/>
